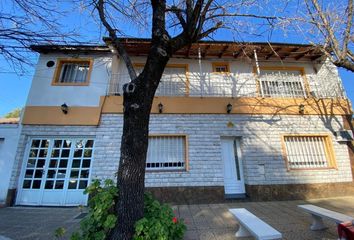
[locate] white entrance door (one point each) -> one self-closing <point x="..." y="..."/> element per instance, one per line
<point x="233" y="174"/>
<point x="56" y="172"/>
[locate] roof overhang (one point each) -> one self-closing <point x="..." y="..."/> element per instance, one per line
<point x="208" y="49"/>
<point x="50" y="48"/>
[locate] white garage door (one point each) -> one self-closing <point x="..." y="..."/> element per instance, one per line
<point x="56" y="171"/>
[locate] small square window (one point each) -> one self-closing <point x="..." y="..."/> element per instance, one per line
<point x="83" y="184"/>
<point x="36" y="184"/>
<point x="27" y="184"/>
<point x="35" y="143"/>
<point x="59" y="184"/>
<point x="72" y="184"/>
<point x="221" y="67"/>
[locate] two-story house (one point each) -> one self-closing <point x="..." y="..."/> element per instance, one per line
<point x="229" y="120"/>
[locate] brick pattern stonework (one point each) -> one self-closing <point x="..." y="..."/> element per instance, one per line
<point x="260" y="144"/>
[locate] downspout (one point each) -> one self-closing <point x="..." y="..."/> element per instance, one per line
<point x="200" y="73"/>
<point x="258" y="70"/>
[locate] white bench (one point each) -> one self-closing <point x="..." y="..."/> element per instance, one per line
<point x="251" y="225"/>
<point x="318" y="213"/>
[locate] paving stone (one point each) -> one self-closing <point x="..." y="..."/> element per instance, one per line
<point x="204" y="222"/>
<point x="206" y="235"/>
<point x="191" y="235"/>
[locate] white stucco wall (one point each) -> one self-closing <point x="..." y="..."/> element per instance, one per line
<point x="260" y="146"/>
<point x="322" y="78"/>
<point x="43" y="93"/>
<point x="9" y="135"/>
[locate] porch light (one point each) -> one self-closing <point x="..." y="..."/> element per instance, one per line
<point x="160" y="106"/>
<point x="301" y="108"/>
<point x="64" y="108"/>
<point x="229" y="108"/>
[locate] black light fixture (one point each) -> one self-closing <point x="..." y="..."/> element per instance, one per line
<point x="229" y="108"/>
<point x="160" y="107"/>
<point x="64" y="108"/>
<point x="301" y="108"/>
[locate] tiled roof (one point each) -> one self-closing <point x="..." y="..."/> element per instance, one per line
<point x="9" y="120"/>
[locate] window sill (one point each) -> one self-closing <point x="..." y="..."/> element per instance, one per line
<point x="166" y="170"/>
<point x="71" y="84"/>
<point x="312" y="169"/>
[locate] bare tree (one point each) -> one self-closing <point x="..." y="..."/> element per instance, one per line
<point x="332" y="22"/>
<point x="192" y="20"/>
<point x="26" y="22"/>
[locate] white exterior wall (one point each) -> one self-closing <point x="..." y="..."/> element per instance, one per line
<point x="9" y="135"/>
<point x="43" y="93"/>
<point x="322" y="78"/>
<point x="261" y="147"/>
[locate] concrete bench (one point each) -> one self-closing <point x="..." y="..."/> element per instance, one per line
<point x="251" y="225"/>
<point x="318" y="213"/>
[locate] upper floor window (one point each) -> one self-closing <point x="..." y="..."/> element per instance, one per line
<point x="73" y="72"/>
<point x="221" y="68"/>
<point x="281" y="82"/>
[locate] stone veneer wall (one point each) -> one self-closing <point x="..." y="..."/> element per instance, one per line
<point x="261" y="148"/>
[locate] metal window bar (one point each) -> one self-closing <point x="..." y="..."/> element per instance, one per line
<point x="306" y="152"/>
<point x="271" y="84"/>
<point x="281" y="84"/>
<point x="166" y="152"/>
<point x="114" y="87"/>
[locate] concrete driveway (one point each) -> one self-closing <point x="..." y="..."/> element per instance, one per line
<point x="204" y="222"/>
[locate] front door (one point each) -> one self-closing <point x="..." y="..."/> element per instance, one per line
<point x="233" y="172"/>
<point x="56" y="171"/>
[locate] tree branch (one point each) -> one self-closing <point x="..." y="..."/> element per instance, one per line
<point x="203" y="17"/>
<point x="178" y="13"/>
<point x="346" y="34"/>
<point x="328" y="28"/>
<point x="209" y="31"/>
<point x="115" y="41"/>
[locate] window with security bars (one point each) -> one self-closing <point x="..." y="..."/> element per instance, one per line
<point x="173" y="81"/>
<point x="281" y="83"/>
<point x="166" y="153"/>
<point x="308" y="152"/>
<point x="72" y="72"/>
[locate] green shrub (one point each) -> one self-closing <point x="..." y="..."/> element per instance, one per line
<point x="158" y="223"/>
<point x="101" y="218"/>
<point x="59" y="232"/>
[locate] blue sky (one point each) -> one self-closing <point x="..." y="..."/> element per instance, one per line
<point x="14" y="88"/>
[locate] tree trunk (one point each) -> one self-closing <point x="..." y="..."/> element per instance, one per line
<point x="138" y="98"/>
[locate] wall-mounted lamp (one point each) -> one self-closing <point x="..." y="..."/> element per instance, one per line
<point x="160" y="106"/>
<point x="64" y="108"/>
<point x="301" y="108"/>
<point x="229" y="108"/>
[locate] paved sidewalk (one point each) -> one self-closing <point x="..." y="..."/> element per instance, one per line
<point x="204" y="222"/>
<point x="214" y="222"/>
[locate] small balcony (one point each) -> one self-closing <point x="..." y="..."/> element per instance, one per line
<point x="266" y="85"/>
